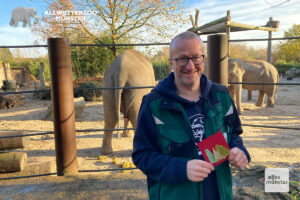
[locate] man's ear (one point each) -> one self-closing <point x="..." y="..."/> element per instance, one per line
<point x="171" y="66"/>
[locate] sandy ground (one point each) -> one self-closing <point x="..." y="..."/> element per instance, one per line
<point x="269" y="147"/>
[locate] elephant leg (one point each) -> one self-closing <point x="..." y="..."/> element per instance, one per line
<point x="27" y="21"/>
<point x="235" y="95"/>
<point x="107" y="138"/>
<point x="249" y="95"/>
<point x="270" y="102"/>
<point x="125" y="132"/>
<point x="128" y="133"/>
<point x="16" y="23"/>
<point x="238" y="93"/>
<point x="24" y="23"/>
<point x="132" y="116"/>
<point x="110" y="120"/>
<point x="261" y="98"/>
<point x="232" y="93"/>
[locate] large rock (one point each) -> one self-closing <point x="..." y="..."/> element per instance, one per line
<point x="79" y="105"/>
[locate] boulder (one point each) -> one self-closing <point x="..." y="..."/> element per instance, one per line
<point x="79" y="105"/>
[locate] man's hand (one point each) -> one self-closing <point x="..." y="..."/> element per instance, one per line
<point x="197" y="170"/>
<point x="237" y="158"/>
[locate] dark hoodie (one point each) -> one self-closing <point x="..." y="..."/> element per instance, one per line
<point x="160" y="167"/>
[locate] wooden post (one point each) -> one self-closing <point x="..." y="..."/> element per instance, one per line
<point x="63" y="105"/>
<point x="2" y="74"/>
<point x="6" y="67"/>
<point x="269" y="42"/>
<point x="41" y="74"/>
<point x="217" y="53"/>
<point x="228" y="31"/>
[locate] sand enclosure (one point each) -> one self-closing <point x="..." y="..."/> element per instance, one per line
<point x="267" y="146"/>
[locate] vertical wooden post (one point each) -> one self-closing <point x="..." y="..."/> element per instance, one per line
<point x="228" y="31"/>
<point x="217" y="53"/>
<point x="269" y="42"/>
<point x="41" y="74"/>
<point x="63" y="105"/>
<point x="7" y="73"/>
<point x="2" y="74"/>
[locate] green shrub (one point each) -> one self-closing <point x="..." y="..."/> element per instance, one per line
<point x="89" y="90"/>
<point x="33" y="65"/>
<point x="34" y="68"/>
<point x="161" y="69"/>
<point x="281" y="66"/>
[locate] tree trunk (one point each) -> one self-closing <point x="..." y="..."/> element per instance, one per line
<point x="41" y="168"/>
<point x="12" y="161"/>
<point x="15" y="142"/>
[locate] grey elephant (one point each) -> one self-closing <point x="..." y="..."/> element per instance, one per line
<point x="256" y="71"/>
<point x="235" y="74"/>
<point x="23" y="14"/>
<point x="130" y="69"/>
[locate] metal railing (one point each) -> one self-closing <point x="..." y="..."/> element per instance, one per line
<point x="106" y="88"/>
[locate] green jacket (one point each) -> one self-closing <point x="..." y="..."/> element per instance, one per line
<point x="173" y="142"/>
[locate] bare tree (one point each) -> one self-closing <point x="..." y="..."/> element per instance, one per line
<point x="120" y="20"/>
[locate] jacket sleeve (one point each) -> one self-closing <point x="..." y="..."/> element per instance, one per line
<point x="236" y="139"/>
<point x="146" y="152"/>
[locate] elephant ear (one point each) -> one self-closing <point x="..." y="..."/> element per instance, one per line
<point x="235" y="71"/>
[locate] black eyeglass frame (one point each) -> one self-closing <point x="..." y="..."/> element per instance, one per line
<point x="187" y="60"/>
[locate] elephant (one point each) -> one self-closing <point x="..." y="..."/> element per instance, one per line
<point x="23" y="14"/>
<point x="235" y="74"/>
<point x="130" y="69"/>
<point x="254" y="71"/>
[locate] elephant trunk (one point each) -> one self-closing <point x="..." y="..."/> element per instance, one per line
<point x="36" y="19"/>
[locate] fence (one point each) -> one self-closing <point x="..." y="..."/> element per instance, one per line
<point x="108" y="88"/>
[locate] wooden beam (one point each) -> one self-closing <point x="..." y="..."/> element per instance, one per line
<point x="218" y="21"/>
<point x="250" y="27"/>
<point x="197" y="17"/>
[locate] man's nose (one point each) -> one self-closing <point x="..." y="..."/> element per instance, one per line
<point x="190" y="64"/>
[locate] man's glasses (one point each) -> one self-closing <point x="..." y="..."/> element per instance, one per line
<point x="183" y="61"/>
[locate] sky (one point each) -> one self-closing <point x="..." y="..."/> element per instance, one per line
<point x="252" y="12"/>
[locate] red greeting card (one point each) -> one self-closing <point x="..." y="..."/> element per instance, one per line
<point x="215" y="149"/>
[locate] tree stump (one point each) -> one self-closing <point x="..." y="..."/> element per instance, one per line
<point x="12" y="161"/>
<point x="9" y="101"/>
<point x="41" y="168"/>
<point x="14" y="142"/>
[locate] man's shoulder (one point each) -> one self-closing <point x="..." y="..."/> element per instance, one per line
<point x="153" y="95"/>
<point x="219" y="93"/>
<point x="216" y="87"/>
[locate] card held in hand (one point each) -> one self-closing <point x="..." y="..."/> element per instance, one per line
<point x="214" y="149"/>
